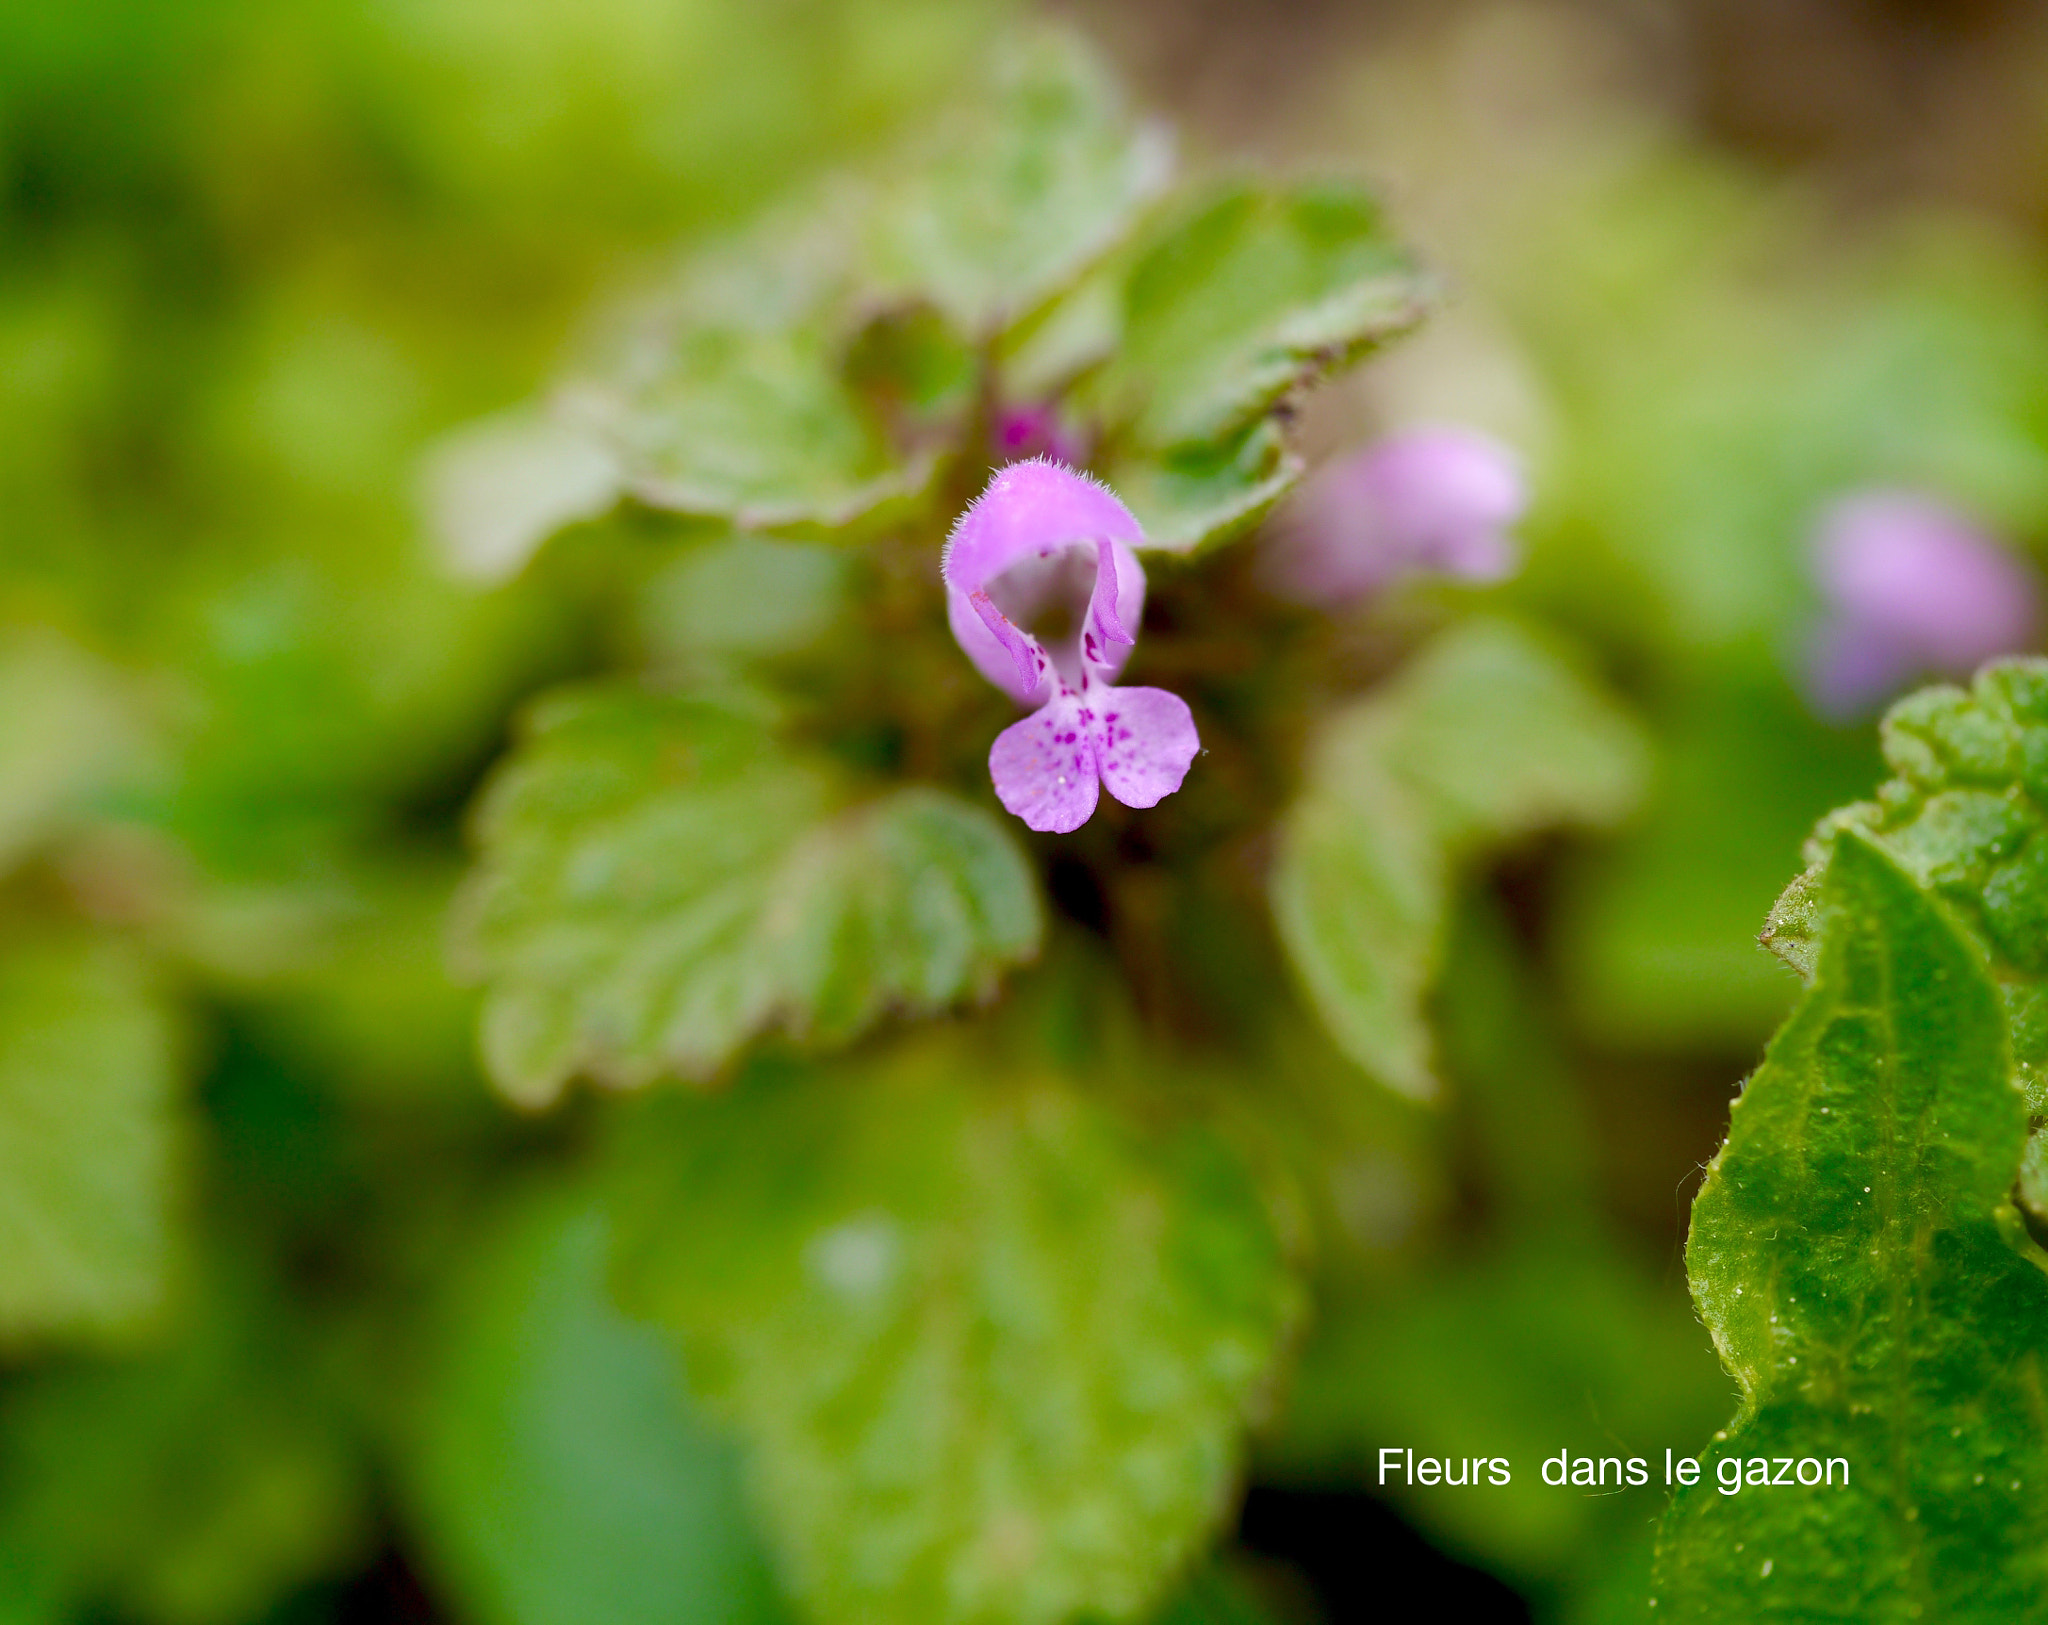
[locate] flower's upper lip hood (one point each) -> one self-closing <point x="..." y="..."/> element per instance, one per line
<point x="1032" y="514"/>
<point x="1030" y="508"/>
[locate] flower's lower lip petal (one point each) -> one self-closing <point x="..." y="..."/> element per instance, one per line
<point x="1145" y="740"/>
<point x="1044" y="769"/>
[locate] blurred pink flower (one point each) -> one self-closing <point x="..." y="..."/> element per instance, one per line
<point x="1035" y="431"/>
<point x="1912" y="588"/>
<point x="1435" y="501"/>
<point x="1044" y="594"/>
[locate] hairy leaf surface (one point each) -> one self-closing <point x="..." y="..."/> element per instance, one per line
<point x="1851" y="1252"/>
<point x="991" y="1344"/>
<point x="1488" y="736"/>
<point x="1964" y="815"/>
<point x="659" y="882"/>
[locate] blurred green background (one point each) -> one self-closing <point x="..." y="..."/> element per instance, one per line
<point x="1710" y="262"/>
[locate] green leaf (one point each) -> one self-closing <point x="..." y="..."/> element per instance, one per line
<point x="90" y="1142"/>
<point x="495" y="490"/>
<point x="65" y="731"/>
<point x="742" y="595"/>
<point x="1022" y="192"/>
<point x="990" y="1343"/>
<point x="1489" y="736"/>
<point x="1964" y="815"/>
<point x="659" y="882"/>
<point x="1850" y="1253"/>
<point x="1251" y="293"/>
<point x="755" y="426"/>
<point x="744" y="393"/>
<point x="560" y="1474"/>
<point x="1656" y="931"/>
<point x="1237" y="302"/>
<point x="1203" y="494"/>
<point x="1042" y="358"/>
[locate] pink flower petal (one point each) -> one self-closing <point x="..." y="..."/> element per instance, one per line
<point x="1917" y="575"/>
<point x="1044" y="767"/>
<point x="1103" y="600"/>
<point x="1145" y="740"/>
<point x="995" y="658"/>
<point x="1429" y="501"/>
<point x="1032" y="508"/>
<point x="1027" y="655"/>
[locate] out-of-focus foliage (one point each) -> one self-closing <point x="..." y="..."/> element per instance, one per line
<point x="952" y="1416"/>
<point x="1023" y="1195"/>
<point x="191" y="1485"/>
<point x="1547" y="1333"/>
<point x="1488" y="737"/>
<point x="662" y="887"/>
<point x="1018" y="194"/>
<point x="89" y="1139"/>
<point x="561" y="1472"/>
<point x="68" y="736"/>
<point x="810" y="375"/>
<point x="1241" y="299"/>
<point x="1700" y="353"/>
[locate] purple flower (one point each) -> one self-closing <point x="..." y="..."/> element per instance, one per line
<point x="1419" y="502"/>
<point x="1912" y="587"/>
<point x="1045" y="594"/>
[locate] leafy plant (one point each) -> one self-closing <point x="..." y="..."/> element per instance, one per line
<point x="876" y="1274"/>
<point x="848" y="964"/>
<point x="1858" y="1250"/>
